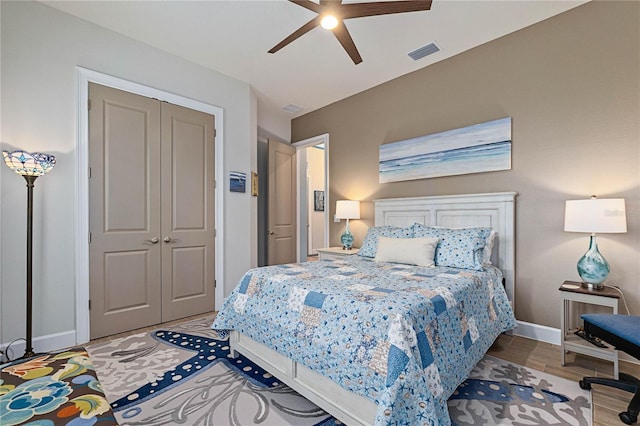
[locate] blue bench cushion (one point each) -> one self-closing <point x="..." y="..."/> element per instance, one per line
<point x="625" y="327"/>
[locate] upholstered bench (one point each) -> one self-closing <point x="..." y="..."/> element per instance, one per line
<point x="623" y="332"/>
<point x="53" y="388"/>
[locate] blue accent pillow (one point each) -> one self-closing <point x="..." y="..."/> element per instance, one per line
<point x="370" y="243"/>
<point x="458" y="247"/>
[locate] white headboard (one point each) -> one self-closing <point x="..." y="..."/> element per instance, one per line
<point x="495" y="210"/>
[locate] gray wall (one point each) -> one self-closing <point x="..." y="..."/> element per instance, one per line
<point x="40" y="49"/>
<point x="572" y="87"/>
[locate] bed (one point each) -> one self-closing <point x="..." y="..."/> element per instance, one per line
<point x="378" y="342"/>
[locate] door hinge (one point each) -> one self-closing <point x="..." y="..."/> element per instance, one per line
<point x="215" y="133"/>
<point x="89" y="172"/>
<point x="215" y="283"/>
<point x="89" y="104"/>
<point x="89" y="237"/>
<point x="89" y="304"/>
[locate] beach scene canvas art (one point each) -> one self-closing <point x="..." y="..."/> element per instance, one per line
<point x="483" y="147"/>
<point x="237" y="181"/>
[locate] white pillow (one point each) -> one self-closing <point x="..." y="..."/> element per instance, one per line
<point x="488" y="248"/>
<point x="410" y="251"/>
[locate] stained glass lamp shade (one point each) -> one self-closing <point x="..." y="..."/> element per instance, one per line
<point x="30" y="166"/>
<point x="593" y="216"/>
<point x="347" y="209"/>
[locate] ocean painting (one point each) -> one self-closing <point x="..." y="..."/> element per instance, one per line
<point x="237" y="181"/>
<point x="483" y="147"/>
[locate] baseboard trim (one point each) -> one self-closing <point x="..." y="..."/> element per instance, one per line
<point x="538" y="332"/>
<point x="551" y="335"/>
<point x="50" y="342"/>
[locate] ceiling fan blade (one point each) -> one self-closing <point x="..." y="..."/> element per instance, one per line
<point x="343" y="36"/>
<point x="297" y="33"/>
<point x="308" y="4"/>
<point x="359" y="10"/>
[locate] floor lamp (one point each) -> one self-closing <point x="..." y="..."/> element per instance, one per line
<point x="29" y="166"/>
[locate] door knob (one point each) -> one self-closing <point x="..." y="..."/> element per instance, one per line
<point x="271" y="232"/>
<point x="166" y="239"/>
<point x="154" y="240"/>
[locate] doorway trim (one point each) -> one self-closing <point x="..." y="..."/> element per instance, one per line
<point x="84" y="77"/>
<point x="302" y="197"/>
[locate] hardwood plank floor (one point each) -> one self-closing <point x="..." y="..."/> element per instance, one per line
<point x="607" y="402"/>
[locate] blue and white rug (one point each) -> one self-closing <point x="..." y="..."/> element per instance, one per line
<point x="183" y="375"/>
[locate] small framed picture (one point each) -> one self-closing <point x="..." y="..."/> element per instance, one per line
<point x="237" y="181"/>
<point x="254" y="184"/>
<point x="318" y="201"/>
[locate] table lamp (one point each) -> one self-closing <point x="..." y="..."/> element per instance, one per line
<point x="595" y="215"/>
<point x="347" y="209"/>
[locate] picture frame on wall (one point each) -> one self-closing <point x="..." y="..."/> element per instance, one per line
<point x="237" y="181"/>
<point x="318" y="201"/>
<point x="483" y="147"/>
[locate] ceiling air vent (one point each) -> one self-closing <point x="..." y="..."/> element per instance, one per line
<point x="424" y="51"/>
<point x="292" y="109"/>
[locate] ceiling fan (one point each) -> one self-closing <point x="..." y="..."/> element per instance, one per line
<point x="332" y="13"/>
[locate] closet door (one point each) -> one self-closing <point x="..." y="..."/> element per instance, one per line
<point x="151" y="211"/>
<point x="124" y="211"/>
<point x="188" y="219"/>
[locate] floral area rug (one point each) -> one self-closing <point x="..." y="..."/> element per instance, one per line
<point x="183" y="375"/>
<point x="53" y="389"/>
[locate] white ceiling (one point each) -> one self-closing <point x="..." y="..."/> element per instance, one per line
<point x="233" y="37"/>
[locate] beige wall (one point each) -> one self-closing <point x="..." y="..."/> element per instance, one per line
<point x="572" y="87"/>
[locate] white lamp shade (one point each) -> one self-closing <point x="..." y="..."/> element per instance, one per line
<point x="347" y="209"/>
<point x="595" y="215"/>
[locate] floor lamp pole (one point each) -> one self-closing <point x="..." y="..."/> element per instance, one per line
<point x="29" y="165"/>
<point x="29" y="344"/>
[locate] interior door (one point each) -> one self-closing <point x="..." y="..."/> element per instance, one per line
<point x="124" y="205"/>
<point x="151" y="210"/>
<point x="282" y="203"/>
<point x="188" y="219"/>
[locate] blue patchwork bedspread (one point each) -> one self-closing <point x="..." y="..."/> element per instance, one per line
<point x="403" y="336"/>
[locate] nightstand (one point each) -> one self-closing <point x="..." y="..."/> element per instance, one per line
<point x="334" y="253"/>
<point x="571" y="291"/>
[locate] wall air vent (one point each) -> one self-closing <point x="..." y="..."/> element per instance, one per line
<point x="292" y="109"/>
<point x="424" y="51"/>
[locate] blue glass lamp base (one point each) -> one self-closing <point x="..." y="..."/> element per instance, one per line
<point x="347" y="240"/>
<point x="592" y="267"/>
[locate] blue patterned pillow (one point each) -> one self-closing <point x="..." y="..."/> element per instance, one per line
<point x="370" y="243"/>
<point x="458" y="247"/>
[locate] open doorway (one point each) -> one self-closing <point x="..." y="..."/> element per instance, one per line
<point x="313" y="195"/>
<point x="315" y="198"/>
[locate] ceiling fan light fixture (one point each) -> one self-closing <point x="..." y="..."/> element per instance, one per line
<point x="331" y="14"/>
<point x="329" y="22"/>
